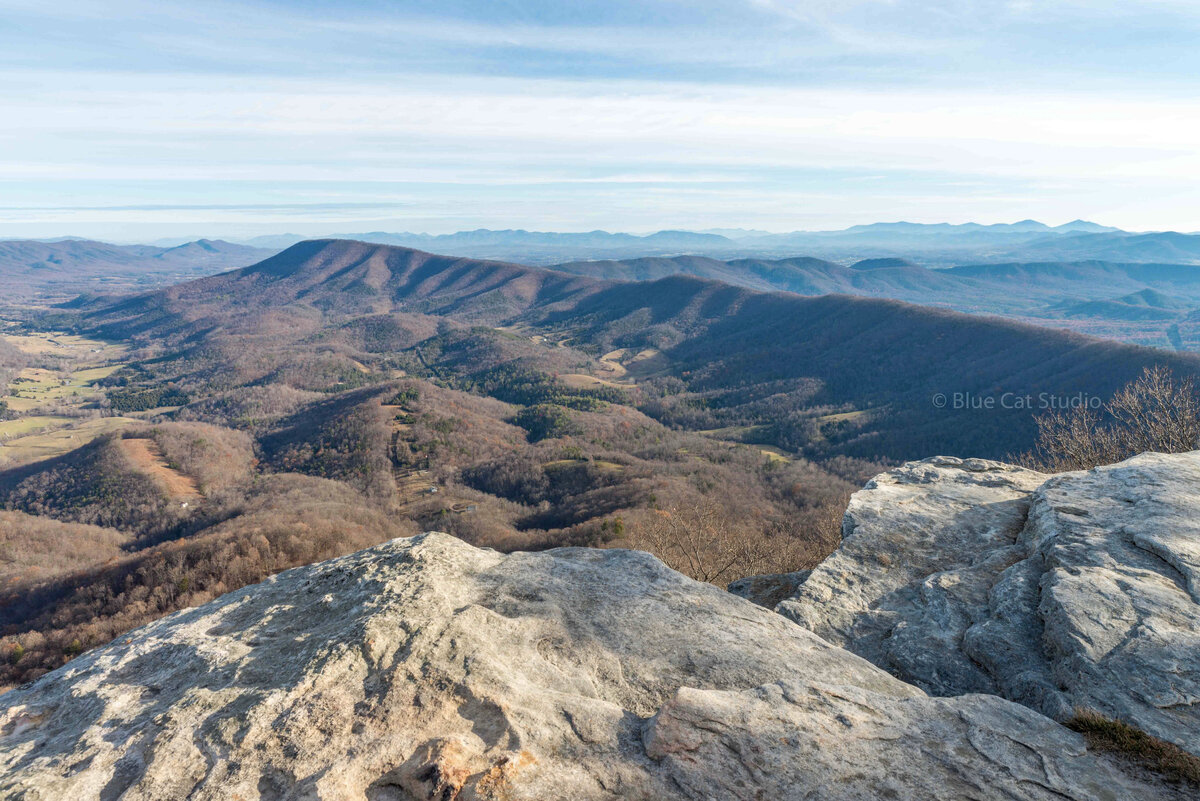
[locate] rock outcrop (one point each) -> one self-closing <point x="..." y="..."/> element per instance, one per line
<point x="1077" y="590"/>
<point x="425" y="668"/>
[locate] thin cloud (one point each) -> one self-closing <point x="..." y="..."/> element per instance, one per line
<point x="609" y="114"/>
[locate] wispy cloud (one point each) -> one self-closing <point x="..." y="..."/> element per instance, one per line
<point x="765" y="113"/>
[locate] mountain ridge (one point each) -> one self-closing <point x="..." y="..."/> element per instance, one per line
<point x="726" y="339"/>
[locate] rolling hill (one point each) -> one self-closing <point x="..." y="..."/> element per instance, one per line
<point x="1147" y="304"/>
<point x="777" y="364"/>
<point x="772" y="359"/>
<point x="803" y="275"/>
<point x="1074" y="295"/>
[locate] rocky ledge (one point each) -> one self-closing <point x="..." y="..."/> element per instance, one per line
<point x="425" y="668"/>
<point x="1080" y="590"/>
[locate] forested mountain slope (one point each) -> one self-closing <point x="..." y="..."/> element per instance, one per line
<point x="827" y="374"/>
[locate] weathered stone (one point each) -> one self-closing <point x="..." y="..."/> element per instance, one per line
<point x="768" y="589"/>
<point x="426" y="668"/>
<point x="1078" y="590"/>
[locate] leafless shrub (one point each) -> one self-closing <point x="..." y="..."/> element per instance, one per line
<point x="705" y="543"/>
<point x="1155" y="412"/>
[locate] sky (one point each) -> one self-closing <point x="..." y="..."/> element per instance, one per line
<point x="133" y="120"/>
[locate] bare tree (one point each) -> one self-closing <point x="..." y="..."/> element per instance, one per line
<point x="1155" y="412"/>
<point x="706" y="544"/>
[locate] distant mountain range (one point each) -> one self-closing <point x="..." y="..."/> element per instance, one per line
<point x="534" y="247"/>
<point x="939" y="244"/>
<point x="75" y="265"/>
<point x="1005" y="288"/>
<point x="930" y="245"/>
<point x="1134" y="302"/>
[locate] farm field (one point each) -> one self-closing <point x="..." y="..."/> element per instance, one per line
<point x="26" y="425"/>
<point x="46" y="444"/>
<point x="51" y="343"/>
<point x="46" y="400"/>
<point x="35" y="387"/>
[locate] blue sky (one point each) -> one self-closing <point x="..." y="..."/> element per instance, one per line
<point x="136" y="120"/>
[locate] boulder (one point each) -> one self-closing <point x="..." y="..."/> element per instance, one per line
<point x="1080" y="590"/>
<point x="426" y="668"/>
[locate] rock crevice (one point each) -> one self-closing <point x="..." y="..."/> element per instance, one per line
<point x="1091" y="602"/>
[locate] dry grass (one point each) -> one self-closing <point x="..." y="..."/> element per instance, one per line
<point x="147" y="457"/>
<point x="47" y="445"/>
<point x="581" y="381"/>
<point x="51" y="343"/>
<point x="1165" y="759"/>
<point x="28" y="425"/>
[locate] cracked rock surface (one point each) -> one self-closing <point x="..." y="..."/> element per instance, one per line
<point x="1075" y="590"/>
<point x="426" y="668"/>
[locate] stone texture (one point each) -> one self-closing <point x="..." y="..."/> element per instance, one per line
<point x="1078" y="590"/>
<point x="425" y="668"/>
<point x="768" y="589"/>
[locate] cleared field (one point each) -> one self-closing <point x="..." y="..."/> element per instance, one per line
<point x="92" y="375"/>
<point x="19" y="404"/>
<point x="35" y="387"/>
<point x="735" y="435"/>
<point x="774" y="454"/>
<point x="837" y="418"/>
<point x="83" y="362"/>
<point x="50" y="343"/>
<point x="582" y="381"/>
<point x="731" y="433"/>
<point x="642" y="364"/>
<point x="611" y="363"/>
<point x="558" y="464"/>
<point x="49" y="444"/>
<point x="27" y="425"/>
<point x="147" y="457"/>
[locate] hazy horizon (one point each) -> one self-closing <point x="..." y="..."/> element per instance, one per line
<point x="136" y="121"/>
<point x="300" y="231"/>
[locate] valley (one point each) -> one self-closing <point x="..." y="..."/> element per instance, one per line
<point x="59" y="270"/>
<point x="54" y="402"/>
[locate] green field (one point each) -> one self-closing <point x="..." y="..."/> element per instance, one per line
<point x="36" y="387"/>
<point x="27" y="425"/>
<point x="82" y="363"/>
<point x="837" y="418"/>
<point x="47" y="444"/>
